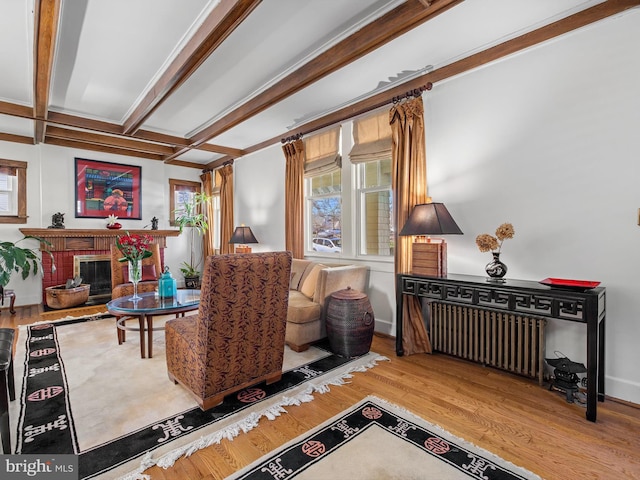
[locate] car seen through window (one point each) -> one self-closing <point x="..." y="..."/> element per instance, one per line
<point x="330" y="245"/>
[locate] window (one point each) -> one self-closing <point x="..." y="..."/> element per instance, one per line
<point x="214" y="224"/>
<point x="8" y="192"/>
<point x="371" y="155"/>
<point x="180" y="192"/>
<point x="13" y="191"/>
<point x="323" y="175"/>
<point x="375" y="207"/>
<point x="324" y="212"/>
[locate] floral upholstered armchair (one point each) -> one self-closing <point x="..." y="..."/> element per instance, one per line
<point x="237" y="338"/>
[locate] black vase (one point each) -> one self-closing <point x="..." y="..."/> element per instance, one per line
<point x="495" y="268"/>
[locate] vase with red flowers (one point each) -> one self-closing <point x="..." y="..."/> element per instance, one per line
<point x="134" y="249"/>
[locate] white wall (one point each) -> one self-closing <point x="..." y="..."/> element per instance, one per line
<point x="547" y="140"/>
<point x="259" y="197"/>
<point x="51" y="189"/>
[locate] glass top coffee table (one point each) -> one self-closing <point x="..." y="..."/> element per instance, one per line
<point x="145" y="308"/>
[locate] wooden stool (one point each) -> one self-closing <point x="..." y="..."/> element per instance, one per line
<point x="7" y="385"/>
<point x="11" y="295"/>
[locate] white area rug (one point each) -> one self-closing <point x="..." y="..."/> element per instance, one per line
<point x="375" y="439"/>
<point x="125" y="413"/>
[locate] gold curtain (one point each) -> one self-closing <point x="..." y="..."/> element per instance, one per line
<point x="208" y="185"/>
<point x="226" y="208"/>
<point x="294" y="197"/>
<point x="409" y="189"/>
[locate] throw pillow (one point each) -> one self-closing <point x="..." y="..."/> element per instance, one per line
<point x="148" y="273"/>
<point x="295" y="279"/>
<point x="308" y="286"/>
<point x="298" y="267"/>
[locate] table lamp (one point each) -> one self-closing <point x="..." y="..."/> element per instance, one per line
<point x="430" y="257"/>
<point x="243" y="235"/>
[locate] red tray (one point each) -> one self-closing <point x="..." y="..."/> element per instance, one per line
<point x="571" y="284"/>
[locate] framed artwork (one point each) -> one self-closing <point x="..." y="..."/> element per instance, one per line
<point x="180" y="192"/>
<point x="104" y="188"/>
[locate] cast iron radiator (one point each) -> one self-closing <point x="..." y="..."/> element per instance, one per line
<point x="507" y="341"/>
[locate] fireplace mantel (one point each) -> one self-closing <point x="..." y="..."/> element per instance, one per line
<point x="65" y="239"/>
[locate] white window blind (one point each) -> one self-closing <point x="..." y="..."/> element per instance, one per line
<point x="8" y="193"/>
<point x="322" y="152"/>
<point x="371" y="138"/>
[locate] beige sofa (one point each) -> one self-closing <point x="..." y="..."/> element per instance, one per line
<point x="311" y="285"/>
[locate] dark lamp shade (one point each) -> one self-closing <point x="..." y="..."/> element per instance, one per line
<point x="430" y="219"/>
<point x="243" y="235"/>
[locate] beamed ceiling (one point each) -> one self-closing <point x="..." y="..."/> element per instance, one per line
<point x="199" y="82"/>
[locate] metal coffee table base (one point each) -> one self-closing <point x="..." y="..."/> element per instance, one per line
<point x="144" y="308"/>
<point x="142" y="328"/>
<point x="142" y="319"/>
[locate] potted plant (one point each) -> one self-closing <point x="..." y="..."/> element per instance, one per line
<point x="192" y="214"/>
<point x="25" y="261"/>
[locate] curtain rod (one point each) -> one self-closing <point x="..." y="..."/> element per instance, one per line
<point x="292" y="138"/>
<point x="228" y="162"/>
<point x="416" y="92"/>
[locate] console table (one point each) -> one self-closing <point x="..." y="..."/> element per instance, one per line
<point x="520" y="297"/>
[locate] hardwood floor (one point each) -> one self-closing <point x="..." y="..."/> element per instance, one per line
<point x="508" y="415"/>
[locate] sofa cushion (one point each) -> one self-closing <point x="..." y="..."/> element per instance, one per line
<point x="301" y="309"/>
<point x="340" y="277"/>
<point x="308" y="286"/>
<point x="298" y="267"/>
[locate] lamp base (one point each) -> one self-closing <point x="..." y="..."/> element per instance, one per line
<point x="429" y="259"/>
<point x="243" y="249"/>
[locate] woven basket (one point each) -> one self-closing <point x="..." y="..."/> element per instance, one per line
<point x="350" y="323"/>
<point x="59" y="296"/>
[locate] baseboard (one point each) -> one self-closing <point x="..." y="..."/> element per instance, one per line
<point x="385" y="327"/>
<point x="622" y="402"/>
<point x="622" y="391"/>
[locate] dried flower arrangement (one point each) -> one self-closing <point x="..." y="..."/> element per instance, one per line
<point x="488" y="242"/>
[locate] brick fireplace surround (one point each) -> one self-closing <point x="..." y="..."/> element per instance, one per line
<point x="66" y="243"/>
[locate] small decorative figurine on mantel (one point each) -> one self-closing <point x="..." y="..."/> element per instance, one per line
<point x="154" y="223"/>
<point x="57" y="220"/>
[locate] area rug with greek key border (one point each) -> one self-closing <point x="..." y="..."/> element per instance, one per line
<point x="82" y="393"/>
<point x="378" y="440"/>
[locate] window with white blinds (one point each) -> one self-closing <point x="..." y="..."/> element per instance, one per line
<point x="371" y="155"/>
<point x="323" y="193"/>
<point x="13" y="191"/>
<point x="8" y="194"/>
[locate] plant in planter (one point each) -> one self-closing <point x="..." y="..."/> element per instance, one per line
<point x="192" y="214"/>
<point x="25" y="261"/>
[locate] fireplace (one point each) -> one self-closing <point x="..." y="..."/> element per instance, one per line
<point x="65" y="244"/>
<point x="96" y="271"/>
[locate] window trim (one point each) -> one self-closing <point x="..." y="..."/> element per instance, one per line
<point x="308" y="216"/>
<point x="21" y="171"/>
<point x="360" y="191"/>
<point x="177" y="185"/>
